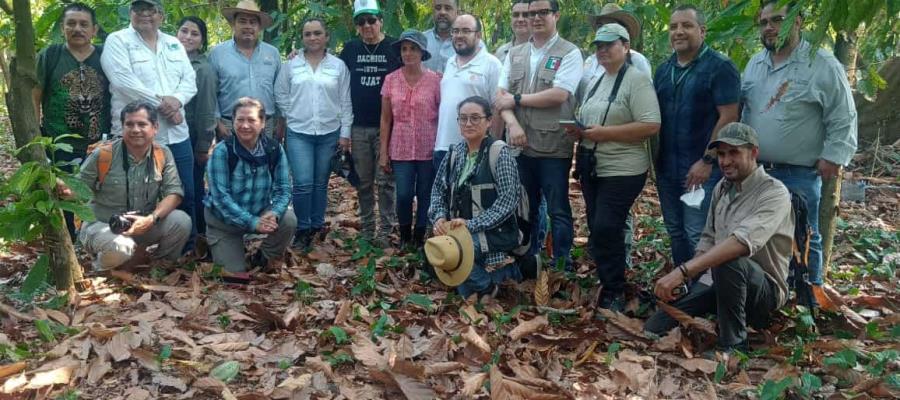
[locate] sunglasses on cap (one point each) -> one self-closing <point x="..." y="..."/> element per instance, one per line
<point x="366" y="20"/>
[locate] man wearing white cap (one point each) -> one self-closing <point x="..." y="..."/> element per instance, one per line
<point x="370" y="58"/>
<point x="246" y="66"/>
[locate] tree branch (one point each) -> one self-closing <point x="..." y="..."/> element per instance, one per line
<point x="5" y="7"/>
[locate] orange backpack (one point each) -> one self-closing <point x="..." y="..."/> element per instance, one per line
<point x="104" y="159"/>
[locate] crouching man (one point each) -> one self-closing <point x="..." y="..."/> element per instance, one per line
<point x="745" y="245"/>
<point x="249" y="192"/>
<point x="136" y="190"/>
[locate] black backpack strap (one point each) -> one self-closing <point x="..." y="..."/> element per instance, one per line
<point x="612" y="95"/>
<point x="232" y="156"/>
<point x="273" y="156"/>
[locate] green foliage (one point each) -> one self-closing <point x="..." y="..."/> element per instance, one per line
<point x="226" y="371"/>
<point x="15" y="353"/>
<point x="70" y="394"/>
<point x="35" y="282"/>
<point x="611" y="352"/>
<point x="845" y="359"/>
<point x="339" y="358"/>
<point x="773" y="390"/>
<point x="304" y="292"/>
<point x="365" y="279"/>
<point x="165" y="352"/>
<point x="420" y="300"/>
<point x="339" y="334"/>
<point x="224" y="320"/>
<point x="721" y="369"/>
<point x="44" y="330"/>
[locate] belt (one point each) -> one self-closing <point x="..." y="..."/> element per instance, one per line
<point x="771" y="165"/>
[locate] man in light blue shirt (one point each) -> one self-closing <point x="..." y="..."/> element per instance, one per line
<point x="245" y="66"/>
<point x="440" y="44"/>
<point x="801" y="105"/>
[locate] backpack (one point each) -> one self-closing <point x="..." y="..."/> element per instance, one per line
<point x="798" y="267"/>
<point x="521" y="214"/>
<point x="271" y="147"/>
<point x="104" y="159"/>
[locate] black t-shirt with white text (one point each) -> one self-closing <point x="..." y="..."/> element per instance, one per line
<point x="368" y="65"/>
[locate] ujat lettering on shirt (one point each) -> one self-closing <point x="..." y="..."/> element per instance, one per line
<point x="370" y="80"/>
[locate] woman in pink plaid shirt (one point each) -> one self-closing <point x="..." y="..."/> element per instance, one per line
<point x="410" y="98"/>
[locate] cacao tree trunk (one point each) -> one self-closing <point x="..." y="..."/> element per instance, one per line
<point x="56" y="241"/>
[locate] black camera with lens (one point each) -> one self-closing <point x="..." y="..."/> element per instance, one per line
<point x="119" y="223"/>
<point x="585" y="163"/>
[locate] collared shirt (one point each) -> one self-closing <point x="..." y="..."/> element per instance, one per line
<point x="240" y="76"/>
<point x="415" y="114"/>
<point x="136" y="72"/>
<point x="802" y="110"/>
<point x="688" y="96"/>
<point x="593" y="69"/>
<point x="145" y="185"/>
<point x="239" y="197"/>
<point x="567" y="76"/>
<point x="478" y="77"/>
<point x="200" y="112"/>
<point x="441" y="50"/>
<point x="315" y="101"/>
<point x="507" y="184"/>
<point x="757" y="214"/>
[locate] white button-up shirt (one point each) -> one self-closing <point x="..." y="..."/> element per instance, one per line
<point x="478" y="77"/>
<point x="315" y="101"/>
<point x="136" y="72"/>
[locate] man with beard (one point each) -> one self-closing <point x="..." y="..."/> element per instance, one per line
<point x="802" y="107"/>
<point x="246" y="66"/>
<point x="746" y="246"/>
<point x="440" y="42"/>
<point x="370" y="58"/>
<point x="472" y="72"/>
<point x="521" y="29"/>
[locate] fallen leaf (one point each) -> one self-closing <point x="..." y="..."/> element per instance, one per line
<point x="296" y="382"/>
<point x="343" y="312"/>
<point x="366" y="352"/>
<point x="443" y="368"/>
<point x="119" y="347"/>
<point x="472" y="384"/>
<point x="170" y="381"/>
<point x="9" y="310"/>
<point x="136" y="393"/>
<point x="528" y="327"/>
<point x="699" y="364"/>
<point x="670" y="342"/>
<point x="12" y="369"/>
<point x="472" y="337"/>
<point x="146" y="358"/>
<point x="97" y="369"/>
<point x="413" y="389"/>
<point x="542" y="289"/>
<point x="56" y="376"/>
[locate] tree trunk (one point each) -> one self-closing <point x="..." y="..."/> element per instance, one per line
<point x="58" y="245"/>
<point x="268" y="6"/>
<point x="845" y="51"/>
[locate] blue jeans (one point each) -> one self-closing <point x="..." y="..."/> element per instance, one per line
<point x="183" y="153"/>
<point x="806" y="182"/>
<point x="684" y="223"/>
<point x="413" y="179"/>
<point x="310" y="159"/>
<point x="480" y="281"/>
<point x="549" y="177"/>
<point x="199" y="192"/>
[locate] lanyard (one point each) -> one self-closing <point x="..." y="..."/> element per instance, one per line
<point x="149" y="160"/>
<point x="676" y="83"/>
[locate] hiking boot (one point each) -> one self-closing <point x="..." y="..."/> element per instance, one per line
<point x="301" y="239"/>
<point x="258" y="260"/>
<point x="612" y="302"/>
<point x="405" y="236"/>
<point x="419" y="236"/>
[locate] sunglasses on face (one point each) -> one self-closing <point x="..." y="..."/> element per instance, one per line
<point x="366" y="21"/>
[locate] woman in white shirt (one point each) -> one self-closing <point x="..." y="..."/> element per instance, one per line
<point x="313" y="93"/>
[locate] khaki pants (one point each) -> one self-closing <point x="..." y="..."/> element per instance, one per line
<point x="226" y="241"/>
<point x="111" y="250"/>
<point x="365" y="143"/>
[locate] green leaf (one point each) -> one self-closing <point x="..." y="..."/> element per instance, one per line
<point x="340" y="335"/>
<point x="809" y="384"/>
<point x="36" y="278"/>
<point x="772" y="390"/>
<point x="226" y="371"/>
<point x="82" y="211"/>
<point x="611" y="352"/>
<point x="420" y="300"/>
<point x="164" y="353"/>
<point x="43" y="328"/>
<point x="721" y="369"/>
<point x="845" y="359"/>
<point x="81" y="190"/>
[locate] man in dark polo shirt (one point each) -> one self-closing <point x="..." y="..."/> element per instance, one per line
<point x="698" y="90"/>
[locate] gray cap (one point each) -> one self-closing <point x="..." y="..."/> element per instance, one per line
<point x="611" y="33"/>
<point x="736" y="134"/>
<point x="412" y="35"/>
<point x="157" y="3"/>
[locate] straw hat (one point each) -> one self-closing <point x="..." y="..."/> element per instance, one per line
<point x="452" y="255"/>
<point x="612" y="13"/>
<point x="247" y="7"/>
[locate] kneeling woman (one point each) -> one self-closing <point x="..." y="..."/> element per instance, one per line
<point x="467" y="193"/>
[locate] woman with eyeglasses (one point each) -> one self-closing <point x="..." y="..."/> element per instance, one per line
<point x="619" y="112"/>
<point x="410" y="100"/>
<point x="313" y="93"/>
<point x="477" y="185"/>
<point x="200" y="112"/>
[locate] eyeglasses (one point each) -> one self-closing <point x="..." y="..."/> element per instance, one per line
<point x="462" y="32"/>
<point x="464" y="120"/>
<point x="523" y="14"/>
<point x="144" y="9"/>
<point x="366" y="21"/>
<point x="776" y="20"/>
<point x="540" y="13"/>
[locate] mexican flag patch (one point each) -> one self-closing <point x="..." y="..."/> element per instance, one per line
<point x="553" y="63"/>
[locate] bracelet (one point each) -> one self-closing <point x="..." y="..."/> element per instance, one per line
<point x="683" y="270"/>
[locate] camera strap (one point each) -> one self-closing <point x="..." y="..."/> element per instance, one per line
<point x="612" y="95"/>
<point x="125" y="167"/>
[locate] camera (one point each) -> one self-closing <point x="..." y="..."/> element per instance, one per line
<point x="119" y="223"/>
<point x="585" y="163"/>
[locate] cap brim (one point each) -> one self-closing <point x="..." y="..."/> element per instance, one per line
<point x="265" y="20"/>
<point x="366" y="11"/>
<point x="606" y="38"/>
<point x="731" y="141"/>
<point x="458" y="276"/>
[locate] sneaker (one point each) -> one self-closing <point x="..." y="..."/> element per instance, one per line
<point x="301" y="239"/>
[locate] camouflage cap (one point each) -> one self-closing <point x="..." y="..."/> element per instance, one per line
<point x="736" y="134"/>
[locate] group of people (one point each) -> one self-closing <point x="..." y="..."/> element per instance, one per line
<point x="449" y="140"/>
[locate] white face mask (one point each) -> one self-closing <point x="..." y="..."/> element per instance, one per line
<point x="694" y="198"/>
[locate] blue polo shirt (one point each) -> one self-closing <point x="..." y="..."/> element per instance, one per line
<point x="688" y="97"/>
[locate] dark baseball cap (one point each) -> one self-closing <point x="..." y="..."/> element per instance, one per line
<point x="736" y="134"/>
<point x="156" y="3"/>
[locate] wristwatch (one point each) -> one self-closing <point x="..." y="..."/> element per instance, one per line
<point x="155" y="218"/>
<point x="708" y="159"/>
<point x="518" y="99"/>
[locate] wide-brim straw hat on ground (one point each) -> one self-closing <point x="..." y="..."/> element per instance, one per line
<point x="452" y="255"/>
<point x="248" y="7"/>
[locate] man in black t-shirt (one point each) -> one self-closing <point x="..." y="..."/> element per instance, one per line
<point x="369" y="59"/>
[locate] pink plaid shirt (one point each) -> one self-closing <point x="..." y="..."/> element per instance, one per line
<point x="415" y="113"/>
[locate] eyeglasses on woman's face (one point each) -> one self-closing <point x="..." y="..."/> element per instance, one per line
<point x="474" y="119"/>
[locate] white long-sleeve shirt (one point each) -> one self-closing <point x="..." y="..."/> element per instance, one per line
<point x="136" y="72"/>
<point x="315" y="102"/>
